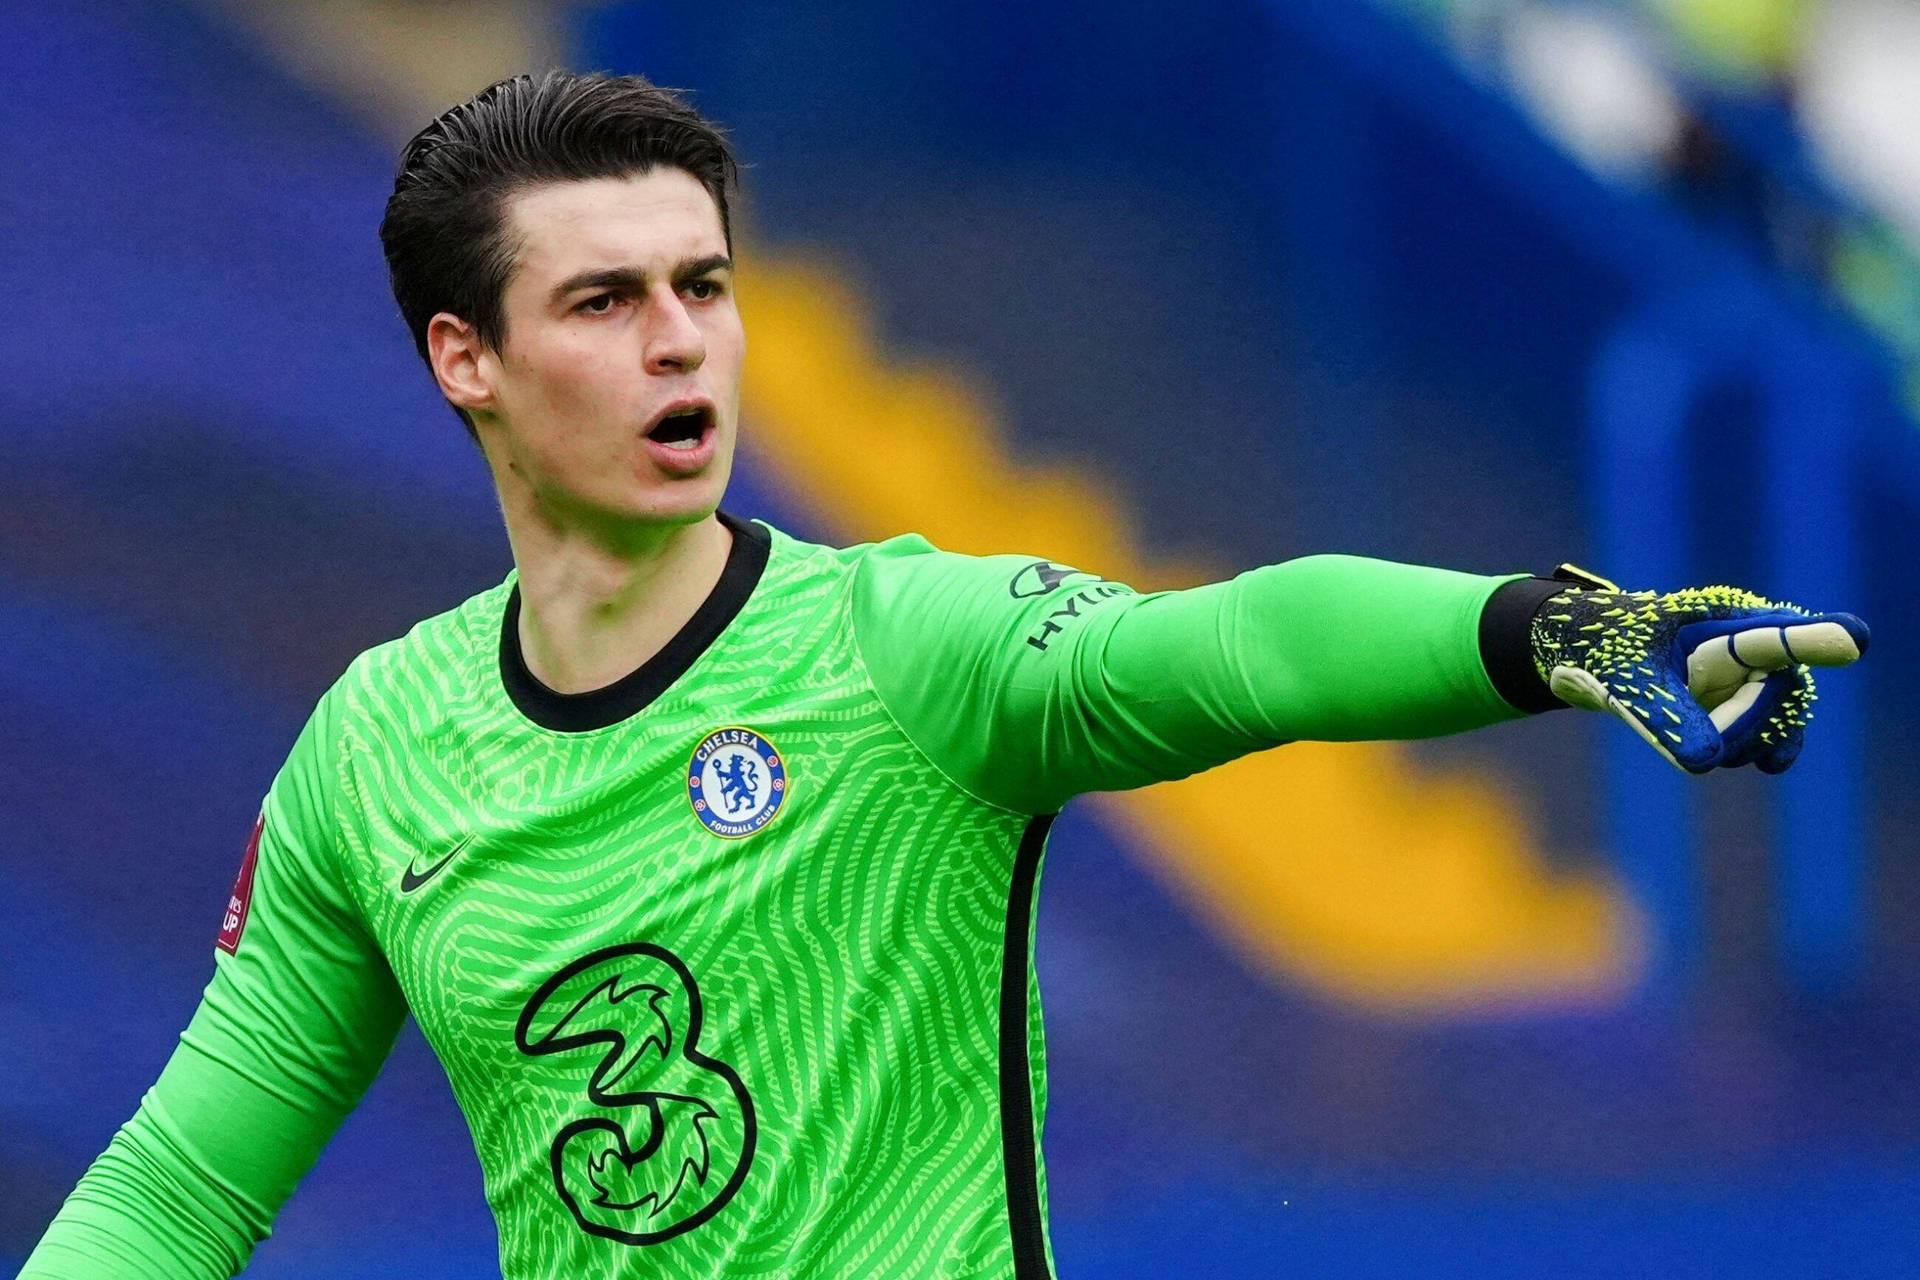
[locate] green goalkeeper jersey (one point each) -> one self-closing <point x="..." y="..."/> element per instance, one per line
<point x="729" y="963"/>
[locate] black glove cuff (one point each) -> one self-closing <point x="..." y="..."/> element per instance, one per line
<point x="1506" y="648"/>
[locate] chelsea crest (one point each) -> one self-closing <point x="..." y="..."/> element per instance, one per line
<point x="736" y="781"/>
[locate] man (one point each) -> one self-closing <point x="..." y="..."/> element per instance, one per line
<point x="705" y="857"/>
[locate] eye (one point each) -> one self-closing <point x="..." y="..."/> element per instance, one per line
<point x="599" y="304"/>
<point x="712" y="287"/>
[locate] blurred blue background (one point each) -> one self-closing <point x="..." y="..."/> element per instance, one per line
<point x="1483" y="285"/>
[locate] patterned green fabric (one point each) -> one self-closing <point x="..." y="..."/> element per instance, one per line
<point x="740" y="984"/>
<point x="845" y="960"/>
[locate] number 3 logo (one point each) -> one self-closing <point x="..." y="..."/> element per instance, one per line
<point x="689" y="1135"/>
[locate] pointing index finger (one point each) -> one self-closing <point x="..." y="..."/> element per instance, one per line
<point x="1732" y="654"/>
<point x="1824" y="640"/>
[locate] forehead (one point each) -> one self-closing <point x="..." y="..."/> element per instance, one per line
<point x="661" y="216"/>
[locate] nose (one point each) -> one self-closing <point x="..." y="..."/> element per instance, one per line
<point x="674" y="343"/>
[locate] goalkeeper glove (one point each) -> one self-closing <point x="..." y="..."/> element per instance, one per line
<point x="1712" y="677"/>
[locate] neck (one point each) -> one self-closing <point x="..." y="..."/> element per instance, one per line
<point x="595" y="607"/>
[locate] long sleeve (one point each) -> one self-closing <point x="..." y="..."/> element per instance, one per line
<point x="300" y="1014"/>
<point x="1028" y="683"/>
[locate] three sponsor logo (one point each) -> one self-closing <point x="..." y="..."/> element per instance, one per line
<point x="663" y="1134"/>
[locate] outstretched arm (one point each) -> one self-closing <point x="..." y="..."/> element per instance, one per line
<point x="1029" y="683"/>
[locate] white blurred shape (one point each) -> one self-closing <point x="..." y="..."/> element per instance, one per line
<point x="1860" y="101"/>
<point x="1581" y="72"/>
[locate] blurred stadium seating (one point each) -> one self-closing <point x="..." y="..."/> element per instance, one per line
<point x="1166" y="299"/>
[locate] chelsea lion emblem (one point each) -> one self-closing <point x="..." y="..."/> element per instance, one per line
<point x="737" y="782"/>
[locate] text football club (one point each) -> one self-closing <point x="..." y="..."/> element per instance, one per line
<point x="736" y="781"/>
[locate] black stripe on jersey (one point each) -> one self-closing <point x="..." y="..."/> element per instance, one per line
<point x="598" y="708"/>
<point x="1016" y="1079"/>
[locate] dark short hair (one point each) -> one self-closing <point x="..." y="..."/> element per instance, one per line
<point x="444" y="232"/>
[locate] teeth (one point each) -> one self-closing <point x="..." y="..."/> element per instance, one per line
<point x="682" y="445"/>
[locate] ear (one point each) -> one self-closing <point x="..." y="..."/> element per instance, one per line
<point x="458" y="359"/>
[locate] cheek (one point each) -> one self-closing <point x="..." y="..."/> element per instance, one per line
<point x="727" y="343"/>
<point x="576" y="379"/>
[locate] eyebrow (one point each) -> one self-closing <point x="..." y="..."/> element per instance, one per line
<point x="634" y="278"/>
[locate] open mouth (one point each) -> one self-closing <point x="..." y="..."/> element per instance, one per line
<point x="683" y="428"/>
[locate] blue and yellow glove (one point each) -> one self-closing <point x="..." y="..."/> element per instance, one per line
<point x="1713" y="677"/>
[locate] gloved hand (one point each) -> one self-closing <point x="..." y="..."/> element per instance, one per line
<point x="1713" y="677"/>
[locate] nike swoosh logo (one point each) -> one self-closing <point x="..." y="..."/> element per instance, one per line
<point x="414" y="879"/>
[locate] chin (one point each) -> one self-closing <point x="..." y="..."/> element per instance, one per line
<point x="686" y="501"/>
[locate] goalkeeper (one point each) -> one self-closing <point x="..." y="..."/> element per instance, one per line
<point x="705" y="857"/>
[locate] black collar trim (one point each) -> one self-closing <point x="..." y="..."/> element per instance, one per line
<point x="631" y="693"/>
